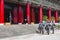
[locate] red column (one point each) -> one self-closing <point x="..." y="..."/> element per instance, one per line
<point x="56" y="16"/>
<point x="33" y="15"/>
<point x="20" y="14"/>
<point x="28" y="12"/>
<point x="49" y="14"/>
<point x="1" y="11"/>
<point x="22" y="17"/>
<point x="40" y="13"/>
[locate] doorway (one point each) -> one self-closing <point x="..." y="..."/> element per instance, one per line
<point x="7" y="16"/>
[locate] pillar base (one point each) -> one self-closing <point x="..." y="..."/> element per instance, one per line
<point x="32" y="22"/>
<point x="1" y="23"/>
<point x="26" y="23"/>
<point x="19" y="23"/>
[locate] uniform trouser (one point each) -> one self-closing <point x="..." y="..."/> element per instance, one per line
<point x="41" y="30"/>
<point x="52" y="30"/>
<point x="47" y="29"/>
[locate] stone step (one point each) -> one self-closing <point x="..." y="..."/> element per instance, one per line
<point x="8" y="24"/>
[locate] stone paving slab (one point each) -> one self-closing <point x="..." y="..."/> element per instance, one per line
<point x="17" y="30"/>
<point x="36" y="36"/>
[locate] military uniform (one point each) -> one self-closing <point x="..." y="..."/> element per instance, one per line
<point x="47" y="27"/>
<point x="52" y="27"/>
<point x="41" y="25"/>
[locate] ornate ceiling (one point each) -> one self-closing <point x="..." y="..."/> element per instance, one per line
<point x="48" y="3"/>
<point x="52" y="1"/>
<point x="13" y="1"/>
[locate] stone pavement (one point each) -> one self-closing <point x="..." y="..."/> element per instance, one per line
<point x="17" y="30"/>
<point x="36" y="36"/>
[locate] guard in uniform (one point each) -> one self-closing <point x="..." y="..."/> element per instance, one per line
<point x="52" y="27"/>
<point x="41" y="27"/>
